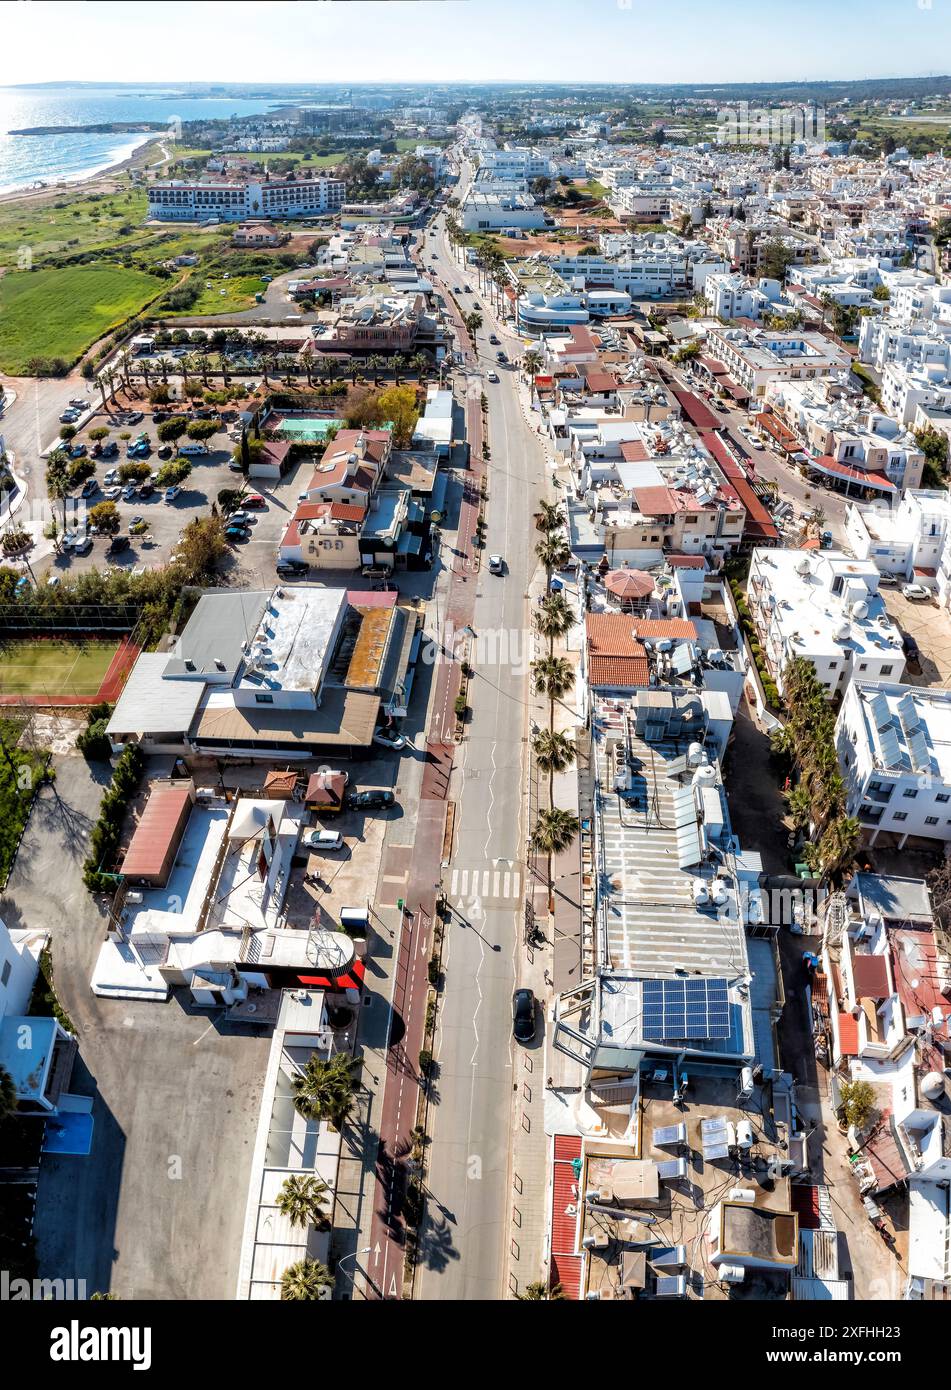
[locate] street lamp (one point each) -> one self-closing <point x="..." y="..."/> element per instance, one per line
<point x="352" y="1256"/>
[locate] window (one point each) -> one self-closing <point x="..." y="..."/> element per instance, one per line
<point x="910" y="792"/>
<point x="900" y="815"/>
<point x="942" y="796"/>
<point x="863" y="665"/>
<point x="5" y="972"/>
<point x="931" y="820"/>
<point x="260" y="699"/>
<point x="886" y="670"/>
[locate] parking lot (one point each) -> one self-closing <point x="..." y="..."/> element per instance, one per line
<point x="930" y="626"/>
<point x="164" y="521"/>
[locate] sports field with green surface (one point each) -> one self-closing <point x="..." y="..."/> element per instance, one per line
<point x="60" y="313"/>
<point x="54" y="666"/>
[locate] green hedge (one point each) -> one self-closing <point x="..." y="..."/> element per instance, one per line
<point x="107" y="832"/>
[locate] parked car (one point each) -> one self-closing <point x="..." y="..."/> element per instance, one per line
<point x="375" y="799"/>
<point x="89" y="487"/>
<point x="110" y="450"/>
<point x="118" y="543"/>
<point x="292" y="569"/>
<point x="385" y="740"/>
<point x="147" y="488"/>
<point x="322" y="841"/>
<point x="492" y="376"/>
<point x="77" y="451"/>
<point x="255" y="500"/>
<point x="918" y="593"/>
<point x="240" y="519"/>
<point x="166" y="451"/>
<point x="112" y="494"/>
<point x="496" y="564"/>
<point x="82" y="546"/>
<point x="910" y="647"/>
<point x="523" y="1015"/>
<point x="134" y="417"/>
<point x="500" y="356"/>
<point x="237" y="533"/>
<point x="129" y="492"/>
<point x="888" y="581"/>
<point x="78" y="404"/>
<point x="171" y="493"/>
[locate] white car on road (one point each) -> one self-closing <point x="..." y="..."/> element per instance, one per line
<point x="916" y="592"/>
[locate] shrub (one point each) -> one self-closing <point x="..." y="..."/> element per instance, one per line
<point x="425" y="1062"/>
<point x="93" y="742"/>
<point x="106" y="834"/>
<point x="460" y="706"/>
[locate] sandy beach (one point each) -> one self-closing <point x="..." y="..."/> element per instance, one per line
<point x="100" y="181"/>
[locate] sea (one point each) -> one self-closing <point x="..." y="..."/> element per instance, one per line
<point x="27" y="160"/>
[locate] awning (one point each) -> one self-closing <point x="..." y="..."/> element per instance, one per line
<point x="831" y="468"/>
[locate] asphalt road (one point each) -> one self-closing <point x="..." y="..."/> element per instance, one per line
<point x="467" y="1215"/>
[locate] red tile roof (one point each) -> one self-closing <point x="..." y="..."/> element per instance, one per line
<point x="687" y="562"/>
<point x="866" y="477"/>
<point x="696" y="412"/>
<point x="655" y="501"/>
<point x="675" y="628"/>
<point x="614" y="657"/>
<point x="347" y="511"/>
<point x="634" y="451"/>
<point x="848" y="1035"/>
<point x="566" y="1266"/>
<point x="870" y="975"/>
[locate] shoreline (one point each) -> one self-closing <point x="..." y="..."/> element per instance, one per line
<point x="134" y="159"/>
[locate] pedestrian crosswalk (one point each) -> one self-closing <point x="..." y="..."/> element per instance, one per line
<point x="492" y="885"/>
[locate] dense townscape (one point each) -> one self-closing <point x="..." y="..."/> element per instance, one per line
<point x="476" y="633"/>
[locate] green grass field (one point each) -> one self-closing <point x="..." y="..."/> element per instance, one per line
<point x="55" y="666"/>
<point x="70" y="224"/>
<point x="59" y="313"/>
<point x="239" y="292"/>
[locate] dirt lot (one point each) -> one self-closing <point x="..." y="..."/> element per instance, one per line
<point x="931" y="628"/>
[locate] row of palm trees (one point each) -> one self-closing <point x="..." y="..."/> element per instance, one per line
<point x="553" y="676"/>
<point x="489" y="261"/>
<point x="817" y="801"/>
<point x="127" y="370"/>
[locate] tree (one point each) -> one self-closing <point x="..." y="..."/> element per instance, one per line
<point x="201" y="545"/>
<point x="473" y="322"/>
<point x="325" y="1090"/>
<point x="170" y="431"/>
<point x="554" y="618"/>
<point x="305" y="1281"/>
<point x="934" y="445"/>
<point x="373" y="364"/>
<point x="554" y="676"/>
<point x="554" y="752"/>
<point x="549" y="517"/>
<point x="80" y="470"/>
<point x="554" y="554"/>
<point x="229" y="500"/>
<point x="202" y="429"/>
<point x="8" y="1094"/>
<point x="362" y="410"/>
<point x="531" y="362"/>
<point x="174" y="472"/>
<point x="105" y="517"/>
<point x="302" y="1199"/>
<point x="165" y="365"/>
<point x="775" y="260"/>
<point x="541" y="1293"/>
<point x="134" y="471"/>
<point x="58" y="486"/>
<point x="398" y="405"/>
<point x="858" y="1103"/>
<point x="100" y="432"/>
<point x="553" y="833"/>
<point x="67" y="432"/>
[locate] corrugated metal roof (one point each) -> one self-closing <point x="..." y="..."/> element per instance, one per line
<point x="151" y="705"/>
<point x="158" y="830"/>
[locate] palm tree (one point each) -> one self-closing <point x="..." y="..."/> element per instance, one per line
<point x="373" y="364"/>
<point x="553" y="676"/>
<point x="58" y="486"/>
<point x="267" y="364"/>
<point x="420" y="365"/>
<point x="102" y="381"/>
<point x="473" y="322"/>
<point x="224" y="368"/>
<point x="301" y="1200"/>
<point x="531" y="362"/>
<point x="397" y="363"/>
<point x="554" y="752"/>
<point x="8" y="1094"/>
<point x="554" y="554"/>
<point x="549" y="516"/>
<point x="325" y="1090"/>
<point x="165" y="365"/>
<point x="541" y="1293"/>
<point x="202" y="365"/>
<point x="554" y="832"/>
<point x="305" y="1281"/>
<point x="799" y="801"/>
<point x="554" y="618"/>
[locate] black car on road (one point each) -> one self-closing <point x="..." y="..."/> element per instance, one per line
<point x="523" y="1015"/>
<point x="373" y="800"/>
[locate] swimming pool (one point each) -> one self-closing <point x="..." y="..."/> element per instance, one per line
<point x="304" y="429"/>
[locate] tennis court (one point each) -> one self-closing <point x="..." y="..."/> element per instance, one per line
<point x="64" y="670"/>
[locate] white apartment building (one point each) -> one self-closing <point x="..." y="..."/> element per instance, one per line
<point x="490" y="211"/>
<point x="912" y="541"/>
<point x="539" y="313"/>
<point x="905" y="388"/>
<point x="757" y="357"/>
<point x="894" y="747"/>
<point x="825" y="608"/>
<point x="734" y="296"/>
<point x="175" y="201"/>
<point x="908" y="342"/>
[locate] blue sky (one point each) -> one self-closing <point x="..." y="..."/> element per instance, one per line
<point x="475" y="40"/>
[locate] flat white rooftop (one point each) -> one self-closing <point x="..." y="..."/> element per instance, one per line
<point x="292" y="642"/>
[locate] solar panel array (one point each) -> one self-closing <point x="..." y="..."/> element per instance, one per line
<point x="686" y="1008"/>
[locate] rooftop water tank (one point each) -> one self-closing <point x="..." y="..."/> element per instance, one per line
<point x="705" y="776"/>
<point x="803" y="566"/>
<point x="744" y="1138"/>
<point x="696" y="757"/>
<point x="701" y="895"/>
<point x="859" y="609"/>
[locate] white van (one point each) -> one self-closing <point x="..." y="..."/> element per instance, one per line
<point x="193" y="449"/>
